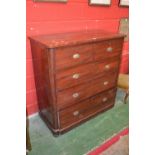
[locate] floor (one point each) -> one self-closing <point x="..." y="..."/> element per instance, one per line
<point x="119" y="148"/>
<point x="85" y="137"/>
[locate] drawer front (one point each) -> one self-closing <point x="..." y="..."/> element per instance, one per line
<point x="81" y="92"/>
<point x="72" y="77"/>
<point x="108" y="48"/>
<point x="86" y="108"/>
<point x="71" y="56"/>
<point x="107" y="66"/>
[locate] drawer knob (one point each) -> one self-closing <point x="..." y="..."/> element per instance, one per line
<point x="107" y="66"/>
<point x="76" y="56"/>
<point x="109" y="49"/>
<point x="76" y="76"/>
<point x="76" y="113"/>
<point x="75" y="95"/>
<point x="104" y="99"/>
<point x="106" y="82"/>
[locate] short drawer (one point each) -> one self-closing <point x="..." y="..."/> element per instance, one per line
<point x="74" y="76"/>
<point x="104" y="97"/>
<point x="77" y="75"/>
<point x="81" y="92"/>
<point x="70" y="56"/>
<point x="86" y="108"/>
<point x="106" y="66"/>
<point x="108" y="48"/>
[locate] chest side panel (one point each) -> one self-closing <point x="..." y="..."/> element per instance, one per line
<point x="43" y="78"/>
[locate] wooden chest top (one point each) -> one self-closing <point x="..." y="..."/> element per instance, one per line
<point x="74" y="38"/>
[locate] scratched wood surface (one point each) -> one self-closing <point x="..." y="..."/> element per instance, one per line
<point x="72" y="38"/>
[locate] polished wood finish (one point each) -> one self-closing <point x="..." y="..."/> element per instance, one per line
<point x="80" y="74"/>
<point x="74" y="38"/>
<point x="75" y="75"/>
<point x="74" y="55"/>
<point x="67" y="97"/>
<point x="86" y="108"/>
<point x="108" y="48"/>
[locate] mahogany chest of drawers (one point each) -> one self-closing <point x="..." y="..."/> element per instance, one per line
<point x="75" y="75"/>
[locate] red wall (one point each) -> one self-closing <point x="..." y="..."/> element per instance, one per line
<point x="44" y="18"/>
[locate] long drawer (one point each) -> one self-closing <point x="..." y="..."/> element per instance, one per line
<point x="81" y="92"/>
<point x="77" y="75"/>
<point x="86" y="108"/>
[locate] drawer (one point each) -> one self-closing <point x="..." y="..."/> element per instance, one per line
<point x="74" y="55"/>
<point x="74" y="76"/>
<point x="81" y="92"/>
<point x="104" y="97"/>
<point x="107" y="66"/>
<point x="86" y="108"/>
<point x="108" y="48"/>
<point x="77" y="75"/>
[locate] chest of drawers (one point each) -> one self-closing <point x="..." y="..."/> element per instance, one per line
<point x="75" y="76"/>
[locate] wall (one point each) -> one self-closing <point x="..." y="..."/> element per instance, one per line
<point x="45" y="18"/>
